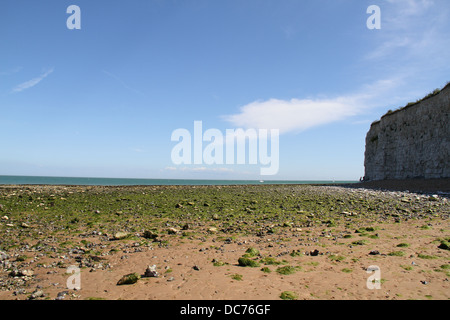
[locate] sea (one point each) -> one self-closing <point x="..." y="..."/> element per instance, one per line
<point x="72" y="181"/>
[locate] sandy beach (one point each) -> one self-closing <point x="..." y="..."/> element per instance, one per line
<point x="297" y="242"/>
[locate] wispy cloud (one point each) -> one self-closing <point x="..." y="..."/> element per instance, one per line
<point x="31" y="83"/>
<point x="123" y="83"/>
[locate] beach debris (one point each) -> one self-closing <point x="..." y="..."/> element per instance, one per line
<point x="130" y="278"/>
<point x="151" y="272"/>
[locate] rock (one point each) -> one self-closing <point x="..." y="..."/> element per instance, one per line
<point x="374" y="252"/>
<point x="314" y="253"/>
<point x="197" y="268"/>
<point x="215" y="216"/>
<point x="178" y="206"/>
<point x="150" y="235"/>
<point x="5" y="218"/>
<point x="130" y="278"/>
<point x="120" y="235"/>
<point x="36" y="294"/>
<point x="172" y="231"/>
<point x="21" y="273"/>
<point x="61" y="295"/>
<point x="24" y="225"/>
<point x="212" y="230"/>
<point x="444" y="245"/>
<point x="151" y="272"/>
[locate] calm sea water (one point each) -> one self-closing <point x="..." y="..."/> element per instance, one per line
<point x="142" y="182"/>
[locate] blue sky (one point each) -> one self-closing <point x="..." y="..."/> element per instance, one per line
<point x="103" y="101"/>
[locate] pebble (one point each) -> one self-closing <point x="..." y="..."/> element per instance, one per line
<point x="36" y="294"/>
<point x="151" y="272"/>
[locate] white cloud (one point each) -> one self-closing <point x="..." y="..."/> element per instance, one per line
<point x="294" y="114"/>
<point x="297" y="115"/>
<point x="31" y="83"/>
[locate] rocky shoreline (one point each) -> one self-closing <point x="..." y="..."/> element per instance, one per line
<point x="222" y="242"/>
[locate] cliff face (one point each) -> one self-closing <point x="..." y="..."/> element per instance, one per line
<point x="412" y="142"/>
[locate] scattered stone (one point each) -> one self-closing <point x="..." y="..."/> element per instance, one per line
<point x="212" y="230"/>
<point x="24" y="225"/>
<point x="21" y="273"/>
<point x="215" y="216"/>
<point x="444" y="245"/>
<point x="314" y="253"/>
<point x="374" y="252"/>
<point x="130" y="278"/>
<point x="197" y="268"/>
<point x="151" y="272"/>
<point x="61" y="295"/>
<point x="120" y="235"/>
<point x="5" y="218"/>
<point x="36" y="294"/>
<point x="150" y="235"/>
<point x="172" y="231"/>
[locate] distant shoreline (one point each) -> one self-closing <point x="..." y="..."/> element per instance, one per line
<point x="86" y="181"/>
